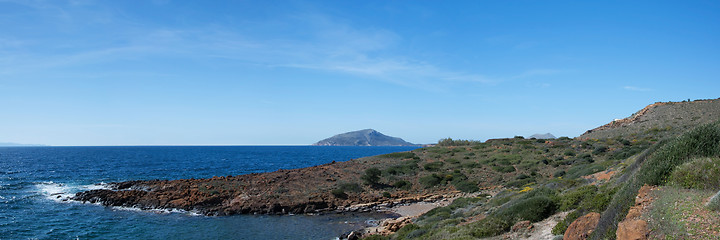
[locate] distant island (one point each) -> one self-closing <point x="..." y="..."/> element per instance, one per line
<point x="366" y="137"/>
<point x="543" y="136"/>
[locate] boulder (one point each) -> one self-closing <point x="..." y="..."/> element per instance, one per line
<point x="635" y="229"/>
<point x="582" y="227"/>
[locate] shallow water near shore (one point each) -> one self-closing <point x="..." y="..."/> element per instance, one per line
<point x="33" y="180"/>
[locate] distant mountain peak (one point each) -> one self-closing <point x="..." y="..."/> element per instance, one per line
<point x="365" y="137"/>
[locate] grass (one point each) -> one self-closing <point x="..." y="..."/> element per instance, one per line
<point x="678" y="213"/>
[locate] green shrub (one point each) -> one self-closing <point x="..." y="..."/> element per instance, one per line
<point x="569" y="152"/>
<point x="504" y="169"/>
<point x="386" y="194"/>
<point x="376" y="237"/>
<point x="714" y="203"/>
<point x="472" y="165"/>
<point x="372" y="176"/>
<point x="404" y="231"/>
<point x="627" y="152"/>
<point x="699" y="173"/>
<point x="533" y="209"/>
<point x="400" y="155"/>
<point x="430" y="180"/>
<point x="465" y="186"/>
<point x="416" y="233"/>
<point x="520" y="182"/>
<point x="339" y="193"/>
<point x="572" y="199"/>
<point x="433" y="166"/>
<point x="407" y="167"/>
<point x="350" y="187"/>
<point x="600" y="150"/>
<point x="559" y="173"/>
<point x="402" y="184"/>
<point x="703" y="141"/>
<point x="489" y="226"/>
<point x="452" y="161"/>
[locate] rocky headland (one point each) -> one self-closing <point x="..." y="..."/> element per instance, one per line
<point x="515" y="187"/>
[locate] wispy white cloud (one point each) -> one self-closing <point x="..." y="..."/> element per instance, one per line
<point x="637" y="89"/>
<point x="327" y="44"/>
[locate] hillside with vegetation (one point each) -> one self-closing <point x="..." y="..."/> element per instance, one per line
<point x="582" y="188"/>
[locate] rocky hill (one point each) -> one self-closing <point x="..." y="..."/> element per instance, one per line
<point x="672" y="118"/>
<point x="366" y="137"/>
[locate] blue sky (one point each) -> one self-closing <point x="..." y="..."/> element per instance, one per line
<point x="294" y="72"/>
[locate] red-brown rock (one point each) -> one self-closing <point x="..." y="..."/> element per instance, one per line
<point x="582" y="227"/>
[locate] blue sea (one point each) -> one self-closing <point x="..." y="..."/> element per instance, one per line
<point x="33" y="180"/>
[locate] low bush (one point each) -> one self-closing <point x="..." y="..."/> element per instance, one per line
<point x="436" y="215"/>
<point x="586" y="169"/>
<point x="520" y="182"/>
<point x="402" y="184"/>
<point x="376" y="237"/>
<point x="471" y="165"/>
<point x="407" y="229"/>
<point x="400" y="155"/>
<point x="504" y="169"/>
<point x="600" y="150"/>
<point x="433" y="166"/>
<point x="350" y="187"/>
<point x="452" y="161"/>
<point x="431" y="180"/>
<point x="703" y="141"/>
<point x="627" y="152"/>
<point x="572" y="199"/>
<point x="372" y="176"/>
<point x="407" y="167"/>
<point x="466" y="186"/>
<point x="339" y="193"/>
<point x="489" y="226"/>
<point x="532" y="209"/>
<point x="699" y="173"/>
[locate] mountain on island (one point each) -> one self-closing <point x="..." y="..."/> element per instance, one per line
<point x="543" y="136"/>
<point x="367" y="137"/>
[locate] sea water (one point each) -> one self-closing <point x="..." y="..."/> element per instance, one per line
<point x="35" y="180"/>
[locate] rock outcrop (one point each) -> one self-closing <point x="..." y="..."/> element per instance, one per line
<point x="582" y="227"/>
<point x="633" y="227"/>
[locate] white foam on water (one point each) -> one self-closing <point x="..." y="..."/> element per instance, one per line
<point x="61" y="192"/>
<point x="157" y="210"/>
